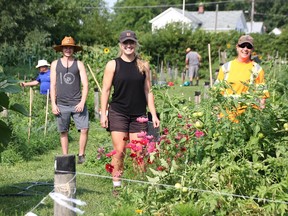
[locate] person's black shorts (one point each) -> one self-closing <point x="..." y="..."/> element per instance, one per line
<point x="125" y="123"/>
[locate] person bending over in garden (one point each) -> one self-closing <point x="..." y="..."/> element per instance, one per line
<point x="242" y="72"/>
<point x="192" y="62"/>
<point x="67" y="100"/>
<point x="130" y="77"/>
<point x="43" y="77"/>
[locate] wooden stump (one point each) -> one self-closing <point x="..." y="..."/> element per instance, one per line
<point x="65" y="182"/>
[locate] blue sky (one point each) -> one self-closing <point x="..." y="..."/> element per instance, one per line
<point x="110" y="2"/>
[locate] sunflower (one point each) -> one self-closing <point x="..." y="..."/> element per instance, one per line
<point x="228" y="45"/>
<point x="139" y="211"/>
<point x="106" y="50"/>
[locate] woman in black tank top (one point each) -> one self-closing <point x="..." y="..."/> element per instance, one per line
<point x="130" y="78"/>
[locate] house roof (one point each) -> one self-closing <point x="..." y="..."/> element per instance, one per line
<point x="226" y="20"/>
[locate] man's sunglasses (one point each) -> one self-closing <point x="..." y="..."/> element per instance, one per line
<point x="249" y="46"/>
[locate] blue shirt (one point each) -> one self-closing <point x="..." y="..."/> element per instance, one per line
<point x="44" y="80"/>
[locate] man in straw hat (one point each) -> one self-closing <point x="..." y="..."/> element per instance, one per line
<point x="43" y="77"/>
<point x="67" y="100"/>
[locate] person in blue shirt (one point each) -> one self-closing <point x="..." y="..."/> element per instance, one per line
<point x="43" y="77"/>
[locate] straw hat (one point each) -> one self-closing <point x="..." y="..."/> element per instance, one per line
<point x="188" y="49"/>
<point x="67" y="41"/>
<point x="42" y="63"/>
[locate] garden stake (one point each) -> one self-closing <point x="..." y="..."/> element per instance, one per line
<point x="30" y="113"/>
<point x="197" y="97"/>
<point x="94" y="78"/>
<point x="46" y="115"/>
<point x="210" y="67"/>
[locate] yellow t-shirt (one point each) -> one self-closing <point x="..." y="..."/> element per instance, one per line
<point x="238" y="73"/>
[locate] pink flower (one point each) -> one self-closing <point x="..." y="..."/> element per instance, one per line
<point x="142" y="119"/>
<point x="199" y="134"/>
<point x="137" y="148"/>
<point x="151" y="147"/>
<point x="101" y="150"/>
<point x="149" y="137"/>
<point x="130" y="145"/>
<point x="142" y="134"/>
<point x="110" y="154"/>
<point x="179" y="115"/>
<point x="117" y="174"/>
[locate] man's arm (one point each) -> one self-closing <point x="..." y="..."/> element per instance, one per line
<point x="55" y="109"/>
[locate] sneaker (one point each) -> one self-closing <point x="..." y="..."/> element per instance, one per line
<point x="81" y="159"/>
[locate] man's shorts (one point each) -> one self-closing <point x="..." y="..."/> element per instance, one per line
<point x="66" y="112"/>
<point x="125" y="123"/>
<point x="193" y="71"/>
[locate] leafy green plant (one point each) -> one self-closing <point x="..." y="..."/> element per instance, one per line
<point x="223" y="163"/>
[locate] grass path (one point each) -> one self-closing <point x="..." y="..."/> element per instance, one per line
<point x="14" y="179"/>
<point x="96" y="192"/>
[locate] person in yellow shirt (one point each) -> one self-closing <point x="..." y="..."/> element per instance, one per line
<point x="242" y="72"/>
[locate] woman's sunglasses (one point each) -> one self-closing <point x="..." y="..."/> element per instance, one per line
<point x="249" y="46"/>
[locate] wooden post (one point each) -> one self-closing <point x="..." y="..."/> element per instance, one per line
<point x="46" y="113"/>
<point x="30" y="113"/>
<point x="197" y="98"/>
<point x="206" y="88"/>
<point x="210" y="65"/>
<point x="94" y="78"/>
<point x="96" y="103"/>
<point x="65" y="182"/>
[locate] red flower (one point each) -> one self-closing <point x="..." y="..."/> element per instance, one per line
<point x="179" y="115"/>
<point x="144" y="141"/>
<point x="150" y="161"/>
<point x="140" y="160"/>
<point x="109" y="168"/>
<point x="199" y="134"/>
<point x="126" y="138"/>
<point x="137" y="148"/>
<point x="165" y="131"/>
<point x="133" y="155"/>
<point x="183" y="149"/>
<point x="161" y="168"/>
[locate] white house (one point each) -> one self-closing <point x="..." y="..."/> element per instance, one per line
<point x="256" y="27"/>
<point x="276" y="31"/>
<point x="206" y="20"/>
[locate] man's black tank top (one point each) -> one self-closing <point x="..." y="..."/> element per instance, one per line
<point x="128" y="96"/>
<point x="68" y="84"/>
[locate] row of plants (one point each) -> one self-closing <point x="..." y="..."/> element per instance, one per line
<point x="165" y="47"/>
<point x="209" y="162"/>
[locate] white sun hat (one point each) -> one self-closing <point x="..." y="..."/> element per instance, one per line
<point x="42" y="63"/>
